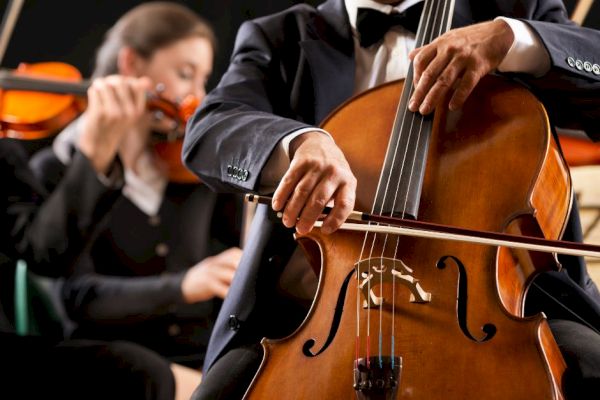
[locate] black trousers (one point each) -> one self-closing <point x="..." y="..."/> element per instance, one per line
<point x="37" y="368"/>
<point x="230" y="376"/>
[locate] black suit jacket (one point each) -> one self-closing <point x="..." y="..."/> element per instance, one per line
<point x="127" y="284"/>
<point x="290" y="70"/>
<point x="48" y="230"/>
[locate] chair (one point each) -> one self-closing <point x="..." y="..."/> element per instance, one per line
<point x="37" y="305"/>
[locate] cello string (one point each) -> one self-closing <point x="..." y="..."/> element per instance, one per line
<point x="437" y="19"/>
<point x="374" y="210"/>
<point x="402" y="131"/>
<point x="415" y="127"/>
<point x="427" y="11"/>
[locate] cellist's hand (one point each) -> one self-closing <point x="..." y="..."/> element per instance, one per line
<point x="318" y="174"/>
<point x="455" y="62"/>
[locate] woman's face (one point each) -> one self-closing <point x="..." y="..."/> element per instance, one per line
<point x="182" y="68"/>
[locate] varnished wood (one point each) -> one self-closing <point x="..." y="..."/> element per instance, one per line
<point x="491" y="166"/>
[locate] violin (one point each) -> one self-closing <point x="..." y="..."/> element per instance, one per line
<point x="37" y="100"/>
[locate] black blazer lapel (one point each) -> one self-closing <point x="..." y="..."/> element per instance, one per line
<point x="332" y="74"/>
<point x="330" y="56"/>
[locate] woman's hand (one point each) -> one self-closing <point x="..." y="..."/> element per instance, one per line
<point x="116" y="106"/>
<point x="211" y="277"/>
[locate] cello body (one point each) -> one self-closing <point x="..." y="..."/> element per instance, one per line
<point x="411" y="318"/>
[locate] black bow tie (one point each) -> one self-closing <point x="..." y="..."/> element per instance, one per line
<point x="372" y="24"/>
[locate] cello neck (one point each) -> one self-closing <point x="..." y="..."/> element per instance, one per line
<point x="401" y="179"/>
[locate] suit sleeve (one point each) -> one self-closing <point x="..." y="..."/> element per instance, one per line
<point x="230" y="138"/>
<point x="50" y="231"/>
<point x="570" y="90"/>
<point x="115" y="300"/>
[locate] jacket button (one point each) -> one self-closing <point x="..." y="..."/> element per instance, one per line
<point x="579" y="64"/>
<point x="245" y="175"/>
<point x="174" y="330"/>
<point x="571" y="61"/>
<point x="162" y="249"/>
<point x="274" y="260"/>
<point x="596" y="69"/>
<point x="587" y="66"/>
<point x="234" y="323"/>
<point x="229" y="169"/>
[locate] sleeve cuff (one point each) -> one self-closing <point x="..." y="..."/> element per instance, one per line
<point x="279" y="161"/>
<point x="114" y="177"/>
<point x="527" y="53"/>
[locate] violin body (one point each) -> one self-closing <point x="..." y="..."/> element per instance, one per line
<point x="38" y="100"/>
<point x="450" y="316"/>
<point x="32" y="115"/>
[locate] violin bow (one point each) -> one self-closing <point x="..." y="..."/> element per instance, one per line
<point x="8" y="24"/>
<point x="581" y="11"/>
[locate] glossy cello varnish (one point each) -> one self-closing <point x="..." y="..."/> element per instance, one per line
<point x="411" y="318"/>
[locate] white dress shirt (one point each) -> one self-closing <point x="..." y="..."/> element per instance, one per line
<point x="387" y="60"/>
<point x="145" y="188"/>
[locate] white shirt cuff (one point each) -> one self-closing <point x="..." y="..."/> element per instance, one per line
<point x="113" y="178"/>
<point x="527" y="53"/>
<point x="279" y="162"/>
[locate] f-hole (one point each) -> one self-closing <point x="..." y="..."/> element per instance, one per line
<point x="488" y="329"/>
<point x="335" y="324"/>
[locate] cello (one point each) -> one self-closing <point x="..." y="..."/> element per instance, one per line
<point x="402" y="317"/>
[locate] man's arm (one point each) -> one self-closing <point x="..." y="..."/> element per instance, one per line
<point x="51" y="231"/>
<point x="231" y="138"/>
<point x="456" y="61"/>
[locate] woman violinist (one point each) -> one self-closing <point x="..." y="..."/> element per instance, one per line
<point x="290" y="70"/>
<point x="166" y="254"/>
<point x="49" y="231"/>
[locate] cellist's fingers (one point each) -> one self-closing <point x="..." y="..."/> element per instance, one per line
<point x="317" y="170"/>
<point x="336" y="185"/>
<point x="443" y="84"/>
<point x="428" y="72"/>
<point x="314" y="205"/>
<point x="421" y="57"/>
<point x="298" y="199"/>
<point x="343" y="205"/>
<point x="467" y="83"/>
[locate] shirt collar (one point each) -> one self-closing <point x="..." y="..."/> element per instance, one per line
<point x="353" y="5"/>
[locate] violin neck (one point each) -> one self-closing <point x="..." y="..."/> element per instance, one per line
<point x="15" y="82"/>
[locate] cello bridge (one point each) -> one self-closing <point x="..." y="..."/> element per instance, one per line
<point x="378" y="270"/>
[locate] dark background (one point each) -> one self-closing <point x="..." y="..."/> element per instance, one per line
<point x="70" y="30"/>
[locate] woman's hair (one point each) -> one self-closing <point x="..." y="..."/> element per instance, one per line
<point x="148" y="28"/>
